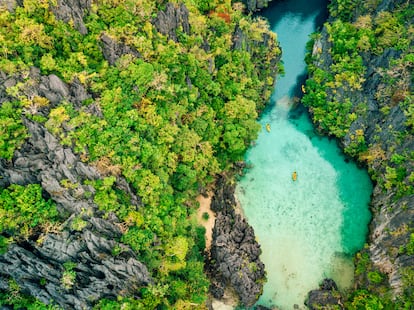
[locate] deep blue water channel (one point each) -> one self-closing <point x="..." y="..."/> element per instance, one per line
<point x="308" y="228"/>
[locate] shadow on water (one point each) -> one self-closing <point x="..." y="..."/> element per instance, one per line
<point x="326" y="177"/>
<point x="298" y="109"/>
<point x="278" y="13"/>
<point x="291" y="19"/>
<point x="278" y="8"/>
<point x="352" y="178"/>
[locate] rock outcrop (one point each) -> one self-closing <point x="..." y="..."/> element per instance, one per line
<point x="256" y="5"/>
<point x="381" y="119"/>
<point x="68" y="11"/>
<point x="112" y="49"/>
<point x="10" y="5"/>
<point x="173" y="18"/>
<point x="73" y="11"/>
<point x="39" y="270"/>
<point x="326" y="297"/>
<point x="85" y="237"/>
<point x="235" y="252"/>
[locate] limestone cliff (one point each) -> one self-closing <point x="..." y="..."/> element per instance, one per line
<point x="235" y="252"/>
<point x="360" y="90"/>
<point x="119" y="113"/>
<point x="85" y="236"/>
<point x="256" y="5"/>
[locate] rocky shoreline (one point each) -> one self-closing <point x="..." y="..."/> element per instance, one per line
<point x="81" y="259"/>
<point x="235" y="252"/>
<point x="105" y="267"/>
<point x="381" y="138"/>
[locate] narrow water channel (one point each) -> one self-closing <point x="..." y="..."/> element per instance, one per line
<point x="309" y="227"/>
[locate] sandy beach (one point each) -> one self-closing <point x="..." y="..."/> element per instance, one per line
<point x="209" y="223"/>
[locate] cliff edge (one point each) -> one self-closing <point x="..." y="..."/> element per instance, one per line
<point x="360" y="90"/>
<point x="114" y="116"/>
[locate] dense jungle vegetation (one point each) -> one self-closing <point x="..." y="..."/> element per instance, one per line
<point x="336" y="95"/>
<point x="328" y="93"/>
<point x="168" y="121"/>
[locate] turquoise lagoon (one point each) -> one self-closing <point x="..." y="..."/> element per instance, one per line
<point x="309" y="228"/>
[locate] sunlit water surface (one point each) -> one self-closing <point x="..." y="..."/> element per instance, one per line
<point x="309" y="227"/>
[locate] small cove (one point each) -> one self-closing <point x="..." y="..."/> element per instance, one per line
<point x="308" y="228"/>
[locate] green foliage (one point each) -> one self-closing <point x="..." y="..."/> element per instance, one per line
<point x="390" y="31"/>
<point x="56" y="118"/>
<point x="22" y="208"/>
<point x="78" y="223"/>
<point x="409" y="113"/>
<point x="357" y="144"/>
<point x="375" y="277"/>
<point x="167" y="121"/>
<point x="205" y="216"/>
<point x="205" y="5"/>
<point x="12" y="131"/>
<point x="407" y="300"/>
<point x="326" y="91"/>
<point x="362" y="263"/>
<point x="240" y="126"/>
<point x="342" y="9"/>
<point x="15" y="298"/>
<point x="362" y="299"/>
<point x="4" y="243"/>
<point x="356" y="34"/>
<point x="69" y="275"/>
<point x="409" y="247"/>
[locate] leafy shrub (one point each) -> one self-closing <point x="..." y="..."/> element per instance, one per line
<point x="342" y="9"/>
<point x="375" y="277"/>
<point x="205" y="216"/>
<point x="167" y="121"/>
<point x="22" y="208"/>
<point x="12" y="131"/>
<point x="362" y="299"/>
<point x="14" y="297"/>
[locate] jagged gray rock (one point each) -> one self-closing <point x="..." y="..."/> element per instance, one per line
<point x="112" y="49"/>
<point x="235" y="251"/>
<point x="10" y="5"/>
<point x="50" y="87"/>
<point x="73" y="10"/>
<point x="326" y="297"/>
<point x="37" y="264"/>
<point x="173" y="18"/>
<point x="392" y="216"/>
<point x="255" y="5"/>
<point x="39" y="270"/>
<point x="389" y="5"/>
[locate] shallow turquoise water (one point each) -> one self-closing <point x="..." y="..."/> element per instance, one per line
<point x="307" y="228"/>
